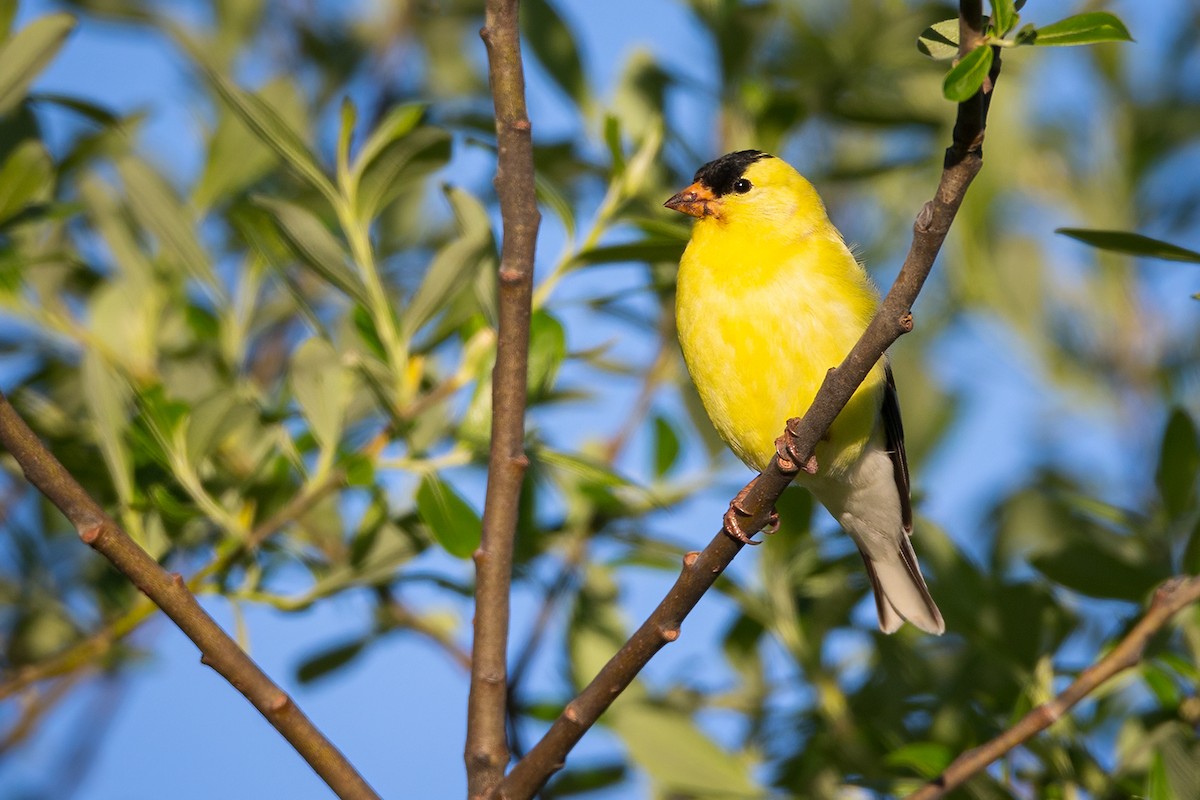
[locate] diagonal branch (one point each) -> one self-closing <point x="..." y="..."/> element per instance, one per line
<point x="1171" y="597"/>
<point x="486" y="752"/>
<point x="964" y="159"/>
<point x="170" y="593"/>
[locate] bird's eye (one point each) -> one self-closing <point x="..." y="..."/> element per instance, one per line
<point x="741" y="186"/>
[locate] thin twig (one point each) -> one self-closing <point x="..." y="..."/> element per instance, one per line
<point x="170" y="593"/>
<point x="1170" y="598"/>
<point x="87" y="651"/>
<point x="486" y="753"/>
<point x="964" y="158"/>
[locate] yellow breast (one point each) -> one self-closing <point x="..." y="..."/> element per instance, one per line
<point x="761" y="319"/>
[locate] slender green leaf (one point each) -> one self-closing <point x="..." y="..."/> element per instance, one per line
<point x="648" y="250"/>
<point x="967" y="76"/>
<point x="940" y="40"/>
<point x="1089" y="28"/>
<point x="26" y="54"/>
<point x="108" y="398"/>
<point x="349" y="119"/>
<point x="1157" y="786"/>
<point x="451" y="520"/>
<point x="26" y="177"/>
<point x="453" y="267"/>
<point x="269" y="126"/>
<point x="1178" y="463"/>
<point x="160" y="211"/>
<point x="679" y="758"/>
<point x="312" y="243"/>
<point x="237" y="156"/>
<point x="330" y="659"/>
<point x="396" y="124"/>
<point x="398" y="166"/>
<point x="666" y="446"/>
<point x="1004" y="16"/>
<point x="547" y="349"/>
<point x="554" y="46"/>
<point x="322" y="387"/>
<point x="927" y="759"/>
<point x="1133" y="244"/>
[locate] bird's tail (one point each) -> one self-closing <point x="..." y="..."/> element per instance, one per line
<point x="900" y="592"/>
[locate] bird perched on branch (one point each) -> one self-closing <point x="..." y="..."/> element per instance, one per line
<point x="769" y="298"/>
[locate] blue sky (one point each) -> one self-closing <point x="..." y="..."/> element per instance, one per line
<point x="398" y="712"/>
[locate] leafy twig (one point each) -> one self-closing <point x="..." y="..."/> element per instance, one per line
<point x="170" y="593"/>
<point x="964" y="159"/>
<point x="487" y="746"/>
<point x="1171" y="597"/>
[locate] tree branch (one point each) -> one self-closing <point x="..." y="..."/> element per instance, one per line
<point x="170" y="593"/>
<point x="963" y="160"/>
<point x="1170" y="598"/>
<point x="486" y="753"/>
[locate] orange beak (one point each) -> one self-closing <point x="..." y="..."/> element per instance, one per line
<point x="696" y="200"/>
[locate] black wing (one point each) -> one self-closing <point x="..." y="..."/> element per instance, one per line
<point x="893" y="430"/>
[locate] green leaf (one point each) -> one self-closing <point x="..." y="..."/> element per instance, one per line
<point x="927" y="759"/>
<point x="584" y="780"/>
<point x="616" y="151"/>
<point x="1004" y="16"/>
<point x="26" y="54"/>
<point x="271" y="128"/>
<point x="398" y="123"/>
<point x="451" y="520"/>
<point x="666" y="446"/>
<point x="1178" y="464"/>
<point x="454" y="265"/>
<point x="549" y="195"/>
<point x="552" y="43"/>
<point x="679" y="758"/>
<point x="547" y="349"/>
<point x="160" y="211"/>
<point x="399" y="166"/>
<point x="237" y="157"/>
<point x="649" y="250"/>
<point x="1133" y="244"/>
<point x="1157" y="785"/>
<point x="940" y="40"/>
<point x="1089" y="28"/>
<point x="967" y="76"/>
<point x="108" y="398"/>
<point x="330" y="659"/>
<point x="26" y="177"/>
<point x="313" y="244"/>
<point x="323" y="389"/>
<point x="345" y="135"/>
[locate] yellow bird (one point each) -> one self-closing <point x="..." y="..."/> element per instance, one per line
<point x="769" y="298"/>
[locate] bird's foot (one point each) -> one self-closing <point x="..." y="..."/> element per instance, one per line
<point x="790" y="459"/>
<point x="732" y="523"/>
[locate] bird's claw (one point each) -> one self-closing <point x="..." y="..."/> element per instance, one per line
<point x="785" y="450"/>
<point x="733" y="526"/>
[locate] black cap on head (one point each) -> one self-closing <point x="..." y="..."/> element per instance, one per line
<point x="720" y="175"/>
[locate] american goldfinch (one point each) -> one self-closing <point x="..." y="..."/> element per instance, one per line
<point x="769" y="298"/>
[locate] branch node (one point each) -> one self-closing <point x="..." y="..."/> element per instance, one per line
<point x="279" y="702"/>
<point x="91" y="533"/>
<point x="571" y="713"/>
<point x="689" y="560"/>
<point x="521" y="124"/>
<point x="924" y="218"/>
<point x="906" y="322"/>
<point x="510" y="276"/>
<point x="521" y="460"/>
<point x="177" y="581"/>
<point x="669" y="634"/>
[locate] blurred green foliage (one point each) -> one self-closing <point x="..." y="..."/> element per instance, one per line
<point x="276" y="374"/>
